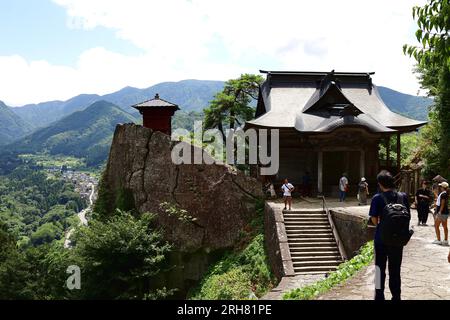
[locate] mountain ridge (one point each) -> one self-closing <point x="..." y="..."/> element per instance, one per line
<point x="11" y="125"/>
<point x="191" y="95"/>
<point x="85" y="134"/>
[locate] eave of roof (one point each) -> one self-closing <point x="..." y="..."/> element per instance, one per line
<point x="286" y="102"/>
<point x="316" y="73"/>
<point x="156" y="102"/>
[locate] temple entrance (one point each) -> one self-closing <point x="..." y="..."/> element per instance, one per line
<point x="334" y="164"/>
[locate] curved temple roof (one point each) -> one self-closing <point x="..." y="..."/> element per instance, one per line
<point x="315" y="102"/>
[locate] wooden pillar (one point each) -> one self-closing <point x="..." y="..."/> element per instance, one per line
<point x="388" y="152"/>
<point x="399" y="150"/>
<point x="319" y="173"/>
<point x="362" y="163"/>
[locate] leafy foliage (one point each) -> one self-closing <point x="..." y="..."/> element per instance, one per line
<point x="343" y="273"/>
<point x="232" y="106"/>
<point x="241" y="274"/>
<point x="36" y="207"/>
<point x="124" y="254"/>
<point x="433" y="59"/>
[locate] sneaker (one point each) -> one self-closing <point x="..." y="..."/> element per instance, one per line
<point x="437" y="242"/>
<point x="445" y="243"/>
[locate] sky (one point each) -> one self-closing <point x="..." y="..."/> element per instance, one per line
<point x="57" y="49"/>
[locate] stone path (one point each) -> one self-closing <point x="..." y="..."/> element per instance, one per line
<point x="425" y="271"/>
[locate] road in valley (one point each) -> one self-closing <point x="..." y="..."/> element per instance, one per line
<point x="81" y="216"/>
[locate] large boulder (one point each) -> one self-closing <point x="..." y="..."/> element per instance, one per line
<point x="220" y="198"/>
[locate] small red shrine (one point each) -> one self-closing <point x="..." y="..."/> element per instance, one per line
<point x="157" y="114"/>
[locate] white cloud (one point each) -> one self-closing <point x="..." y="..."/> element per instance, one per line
<point x="178" y="39"/>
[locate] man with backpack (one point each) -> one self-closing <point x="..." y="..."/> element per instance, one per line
<point x="390" y="212"/>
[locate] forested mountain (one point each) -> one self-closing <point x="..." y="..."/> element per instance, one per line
<point x="42" y="114"/>
<point x="411" y="106"/>
<point x="188" y="94"/>
<point x="12" y="126"/>
<point x="85" y="134"/>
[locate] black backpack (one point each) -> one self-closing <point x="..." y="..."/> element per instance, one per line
<point x="394" y="224"/>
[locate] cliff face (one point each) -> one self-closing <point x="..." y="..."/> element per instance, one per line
<point x="220" y="198"/>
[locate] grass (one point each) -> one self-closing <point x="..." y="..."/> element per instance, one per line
<point x="51" y="161"/>
<point x="344" y="272"/>
<point x="241" y="274"/>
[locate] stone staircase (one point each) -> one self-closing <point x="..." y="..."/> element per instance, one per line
<point x="312" y="245"/>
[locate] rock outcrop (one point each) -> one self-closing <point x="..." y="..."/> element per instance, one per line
<point x="220" y="198"/>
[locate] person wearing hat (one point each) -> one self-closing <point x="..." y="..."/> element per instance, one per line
<point x="363" y="192"/>
<point x="441" y="214"/>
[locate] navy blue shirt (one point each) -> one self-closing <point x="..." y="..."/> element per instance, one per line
<point x="378" y="204"/>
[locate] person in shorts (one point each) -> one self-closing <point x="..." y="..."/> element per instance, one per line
<point x="287" y="189"/>
<point x="441" y="214"/>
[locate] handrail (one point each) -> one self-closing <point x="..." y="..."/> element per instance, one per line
<point x="334" y="230"/>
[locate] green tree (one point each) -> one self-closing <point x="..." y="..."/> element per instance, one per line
<point x="45" y="234"/>
<point x="232" y="106"/>
<point x="433" y="59"/>
<point x="124" y="254"/>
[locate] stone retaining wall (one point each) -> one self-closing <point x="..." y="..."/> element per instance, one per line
<point x="277" y="243"/>
<point x="353" y="230"/>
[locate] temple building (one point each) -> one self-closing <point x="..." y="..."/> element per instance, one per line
<point x="330" y="123"/>
<point x="157" y="114"/>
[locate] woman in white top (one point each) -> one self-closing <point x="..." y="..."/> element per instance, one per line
<point x="441" y="214"/>
<point x="287" y="189"/>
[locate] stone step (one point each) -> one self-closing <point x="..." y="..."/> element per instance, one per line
<point x="322" y="235"/>
<point x="308" y="231"/>
<point x="301" y="219"/>
<point x="315" y="249"/>
<point x="298" y="244"/>
<point x="314" y="269"/>
<point x="305" y="215"/>
<point x="303" y="212"/>
<point x="311" y="272"/>
<point x="316" y="263"/>
<point x="328" y="257"/>
<point x="298" y="239"/>
<point x="305" y="220"/>
<point x="307" y="226"/>
<point x="301" y="252"/>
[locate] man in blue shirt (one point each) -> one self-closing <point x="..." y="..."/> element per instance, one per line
<point x="385" y="253"/>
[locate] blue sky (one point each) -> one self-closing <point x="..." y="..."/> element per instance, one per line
<point x="55" y="49"/>
<point x="37" y="29"/>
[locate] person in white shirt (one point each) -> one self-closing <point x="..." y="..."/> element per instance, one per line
<point x="287" y="189"/>
<point x="343" y="187"/>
